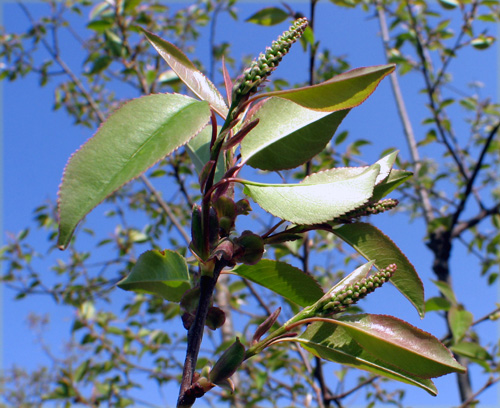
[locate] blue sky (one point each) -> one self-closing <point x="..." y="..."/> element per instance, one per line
<point x="37" y="143"/>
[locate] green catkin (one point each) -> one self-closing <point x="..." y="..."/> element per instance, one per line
<point x="368" y="209"/>
<point x="351" y="294"/>
<point x="261" y="68"/>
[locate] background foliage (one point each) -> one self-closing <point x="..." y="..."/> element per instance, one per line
<point x="118" y="343"/>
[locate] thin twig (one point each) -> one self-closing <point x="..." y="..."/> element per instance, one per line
<point x="472" y="179"/>
<point x="405" y="120"/>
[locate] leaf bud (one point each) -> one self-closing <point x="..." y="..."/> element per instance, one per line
<point x="228" y="363"/>
<point x="226" y="212"/>
<point x="197" y="232"/>
<point x="215" y="318"/>
<point x="249" y="248"/>
<point x="266" y="325"/>
<point x="243" y="207"/>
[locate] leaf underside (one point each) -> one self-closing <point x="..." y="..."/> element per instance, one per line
<point x="313" y="203"/>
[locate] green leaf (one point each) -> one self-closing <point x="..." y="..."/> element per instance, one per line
<point x="132" y="139"/>
<point x="449" y="4"/>
<point x="394" y="180"/>
<point x="283" y="279"/>
<point x="400" y="344"/>
<point x="437" y="303"/>
<point x="268" y="16"/>
<point x="372" y="244"/>
<point x="198" y="149"/>
<point x="460" y="321"/>
<point x="287" y="135"/>
<point x="188" y="73"/>
<point x="333" y="343"/>
<point x="343" y="91"/>
<point x="472" y="351"/>
<point x="446" y="290"/>
<point x="482" y="42"/>
<point x="312" y="203"/>
<point x="340" y="173"/>
<point x="159" y="273"/>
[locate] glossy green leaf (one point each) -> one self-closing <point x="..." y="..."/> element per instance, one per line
<point x="311" y="203"/>
<point x="132" y="139"/>
<point x="332" y="342"/>
<point x="460" y="321"/>
<point x="298" y="135"/>
<point x="372" y="244"/>
<point x="283" y="279"/>
<point x="198" y="149"/>
<point x="188" y="73"/>
<point x="394" y="180"/>
<point x="343" y="91"/>
<point x="400" y="344"/>
<point x="159" y="273"/>
<point x="268" y="16"/>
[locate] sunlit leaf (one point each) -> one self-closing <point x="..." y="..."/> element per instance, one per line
<point x="311" y="203"/>
<point x="188" y="73"/>
<point x="333" y="343"/>
<point x="298" y="135"/>
<point x="400" y="344"/>
<point x="343" y="91"/>
<point x="132" y="139"/>
<point x="160" y="273"/>
<point x="372" y="244"/>
<point x="340" y="173"/>
<point x="449" y="4"/>
<point x="283" y="279"/>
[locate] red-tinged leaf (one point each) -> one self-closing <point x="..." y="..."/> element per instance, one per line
<point x="228" y="83"/>
<point x="401" y="345"/>
<point x="133" y="138"/>
<point x="343" y="91"/>
<point x="372" y="244"/>
<point x="188" y="73"/>
<point x="332" y="342"/>
<point x="283" y="279"/>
